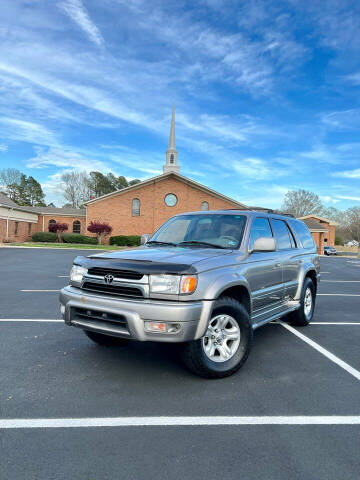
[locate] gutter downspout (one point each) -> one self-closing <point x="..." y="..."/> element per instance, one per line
<point x="7" y="223"/>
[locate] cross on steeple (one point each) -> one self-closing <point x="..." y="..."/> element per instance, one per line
<point x="171" y="153"/>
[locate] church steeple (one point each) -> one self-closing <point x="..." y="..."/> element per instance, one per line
<point x="171" y="164"/>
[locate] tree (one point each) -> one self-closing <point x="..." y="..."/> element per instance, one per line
<point x="75" y="188"/>
<point x="21" y="189"/>
<point x="352" y="224"/>
<point x="100" y="184"/>
<point x="100" y="229"/>
<point x="34" y="193"/>
<point x="301" y="202"/>
<point x="9" y="176"/>
<point x="58" y="228"/>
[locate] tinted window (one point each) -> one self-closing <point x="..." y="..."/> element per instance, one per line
<point x="282" y="234"/>
<point x="303" y="234"/>
<point x="259" y="228"/>
<point x="223" y="230"/>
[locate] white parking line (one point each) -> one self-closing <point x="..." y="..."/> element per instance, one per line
<point x="337" y="295"/>
<point x="335" y="323"/>
<point x="340" y="281"/>
<point x="63" y="276"/>
<point x="30" y="320"/>
<point x="322" y="350"/>
<point x="40" y="290"/>
<point x="176" y="421"/>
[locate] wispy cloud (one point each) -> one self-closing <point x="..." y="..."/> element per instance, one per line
<point x="3" y="147"/>
<point x="76" y="10"/>
<point x="26" y="131"/>
<point x="347" y="173"/>
<point x="349" y="197"/>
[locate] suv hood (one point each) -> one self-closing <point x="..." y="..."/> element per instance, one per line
<point x="154" y="259"/>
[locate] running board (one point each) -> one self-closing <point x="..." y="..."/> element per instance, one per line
<point x="293" y="306"/>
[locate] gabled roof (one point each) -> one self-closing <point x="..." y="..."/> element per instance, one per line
<point x="158" y="178"/>
<point x="313" y="225"/>
<point x="66" y="211"/>
<point x="327" y="220"/>
<point x="6" y="201"/>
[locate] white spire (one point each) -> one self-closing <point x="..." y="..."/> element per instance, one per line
<point x="171" y="153"/>
<point x="172" y="130"/>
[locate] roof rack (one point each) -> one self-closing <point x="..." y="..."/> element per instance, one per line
<point x="263" y="210"/>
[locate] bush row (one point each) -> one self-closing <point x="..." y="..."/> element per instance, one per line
<point x="67" y="238"/>
<point x="125" y="240"/>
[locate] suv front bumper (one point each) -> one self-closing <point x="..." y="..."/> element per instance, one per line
<point x="127" y="316"/>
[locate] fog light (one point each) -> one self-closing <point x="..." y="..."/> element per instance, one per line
<point x="162" y="327"/>
<point x="155" y="327"/>
<point x="62" y="309"/>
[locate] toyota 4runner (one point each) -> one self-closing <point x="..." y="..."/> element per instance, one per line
<point x="203" y="279"/>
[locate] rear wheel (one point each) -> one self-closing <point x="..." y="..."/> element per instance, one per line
<point x="226" y="344"/>
<point x="304" y="314"/>
<point x="106" y="340"/>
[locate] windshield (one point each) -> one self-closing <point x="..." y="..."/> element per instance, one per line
<point x="203" y="230"/>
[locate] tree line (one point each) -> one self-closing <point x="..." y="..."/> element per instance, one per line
<point x="302" y="202"/>
<point x="76" y="187"/>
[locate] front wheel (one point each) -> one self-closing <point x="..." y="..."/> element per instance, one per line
<point x="226" y="344"/>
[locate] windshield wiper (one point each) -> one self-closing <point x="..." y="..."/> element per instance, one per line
<point x="195" y="242"/>
<point x="155" y="242"/>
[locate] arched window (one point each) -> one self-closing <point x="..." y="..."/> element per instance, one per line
<point x="172" y="158"/>
<point x="204" y="206"/>
<point x="76" y="226"/>
<point x="51" y="222"/>
<point x="135" y="208"/>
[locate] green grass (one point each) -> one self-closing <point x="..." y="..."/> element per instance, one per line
<point x="80" y="246"/>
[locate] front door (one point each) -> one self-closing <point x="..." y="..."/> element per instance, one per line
<point x="264" y="273"/>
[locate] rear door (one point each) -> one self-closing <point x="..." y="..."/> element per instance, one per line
<point x="290" y="256"/>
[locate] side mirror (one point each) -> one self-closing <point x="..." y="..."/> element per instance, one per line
<point x="264" y="244"/>
<point x="144" y="238"/>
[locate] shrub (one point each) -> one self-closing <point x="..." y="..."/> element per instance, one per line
<point x="338" y="240"/>
<point x="125" y="240"/>
<point x="44" y="237"/>
<point x="100" y="229"/>
<point x="77" y="238"/>
<point x="58" y="228"/>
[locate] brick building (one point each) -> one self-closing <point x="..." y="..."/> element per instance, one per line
<point x="143" y="207"/>
<point x="322" y="230"/>
<point x="18" y="223"/>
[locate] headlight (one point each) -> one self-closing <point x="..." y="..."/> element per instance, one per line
<point x="173" y="284"/>
<point x="77" y="273"/>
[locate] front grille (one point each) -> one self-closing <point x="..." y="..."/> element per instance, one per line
<point x="128" y="274"/>
<point x="113" y="289"/>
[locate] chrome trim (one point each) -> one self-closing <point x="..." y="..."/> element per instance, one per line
<point x="145" y="288"/>
<point x="144" y="279"/>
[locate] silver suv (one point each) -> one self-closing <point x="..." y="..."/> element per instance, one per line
<point x="204" y="279"/>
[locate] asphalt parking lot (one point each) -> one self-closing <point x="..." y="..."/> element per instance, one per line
<point x="293" y="411"/>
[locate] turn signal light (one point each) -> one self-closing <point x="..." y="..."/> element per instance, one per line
<point x="188" y="284"/>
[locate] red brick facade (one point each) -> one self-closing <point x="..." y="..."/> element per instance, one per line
<point x="117" y="209"/>
<point x="43" y="222"/>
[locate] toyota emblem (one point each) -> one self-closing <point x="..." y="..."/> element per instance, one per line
<point x="108" y="279"/>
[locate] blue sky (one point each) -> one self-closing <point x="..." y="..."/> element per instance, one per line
<point x="266" y="92"/>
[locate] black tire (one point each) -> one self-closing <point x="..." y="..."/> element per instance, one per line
<point x="194" y="355"/>
<point x="299" y="318"/>
<point x="106" y="340"/>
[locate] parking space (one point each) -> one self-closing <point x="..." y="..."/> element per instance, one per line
<point x="52" y="371"/>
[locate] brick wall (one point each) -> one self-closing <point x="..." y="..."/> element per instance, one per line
<point x="59" y="219"/>
<point x="19" y="233"/>
<point x="117" y="210"/>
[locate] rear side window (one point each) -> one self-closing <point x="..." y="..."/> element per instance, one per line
<point x="259" y="228"/>
<point x="282" y="235"/>
<point x="303" y="233"/>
